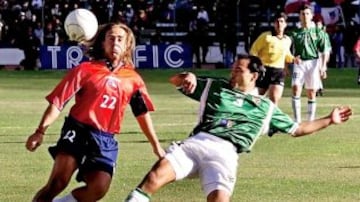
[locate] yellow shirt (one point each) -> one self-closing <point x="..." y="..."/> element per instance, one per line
<point x="272" y="51"/>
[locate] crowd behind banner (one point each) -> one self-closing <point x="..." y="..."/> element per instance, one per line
<point x="28" y="24"/>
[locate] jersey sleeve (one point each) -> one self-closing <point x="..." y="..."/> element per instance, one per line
<point x="67" y="88"/>
<point x="324" y="44"/>
<point x="200" y="86"/>
<point x="140" y="101"/>
<point x="258" y="44"/>
<point x="282" y="122"/>
<point x="289" y="57"/>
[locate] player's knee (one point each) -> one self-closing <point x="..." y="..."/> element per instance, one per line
<point x="153" y="179"/>
<point x="98" y="193"/>
<point x="98" y="189"/>
<point x="57" y="184"/>
<point x="218" y="195"/>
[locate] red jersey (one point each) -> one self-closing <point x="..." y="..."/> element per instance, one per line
<point x="356" y="45"/>
<point x="101" y="95"/>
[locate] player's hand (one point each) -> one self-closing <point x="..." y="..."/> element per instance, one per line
<point x="287" y="72"/>
<point x="297" y="60"/>
<point x="323" y="74"/>
<point x="189" y="83"/>
<point x="34" y="141"/>
<point x="159" y="151"/>
<point x="340" y="114"/>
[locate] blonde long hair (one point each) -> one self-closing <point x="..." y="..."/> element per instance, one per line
<point x="96" y="50"/>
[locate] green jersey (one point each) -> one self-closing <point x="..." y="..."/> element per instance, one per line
<point x="234" y="116"/>
<point x="309" y="42"/>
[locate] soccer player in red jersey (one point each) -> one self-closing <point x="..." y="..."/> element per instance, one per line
<point x="102" y="88"/>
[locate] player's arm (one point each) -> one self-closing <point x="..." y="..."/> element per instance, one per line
<point x="337" y="116"/>
<point x="140" y="109"/>
<point x="289" y="59"/>
<point x="186" y="80"/>
<point x="146" y="125"/>
<point x="325" y="48"/>
<point x="258" y="45"/>
<point x="50" y="115"/>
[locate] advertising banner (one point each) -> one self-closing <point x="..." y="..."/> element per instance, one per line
<point x="145" y="56"/>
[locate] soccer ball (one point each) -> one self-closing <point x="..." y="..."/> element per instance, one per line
<point x="81" y="25"/>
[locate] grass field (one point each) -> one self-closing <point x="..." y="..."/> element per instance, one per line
<point x="321" y="167"/>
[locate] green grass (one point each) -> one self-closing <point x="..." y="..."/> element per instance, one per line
<point x="320" y="167"/>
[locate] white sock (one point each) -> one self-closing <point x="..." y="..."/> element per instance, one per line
<point x="311" y="110"/>
<point x="137" y="195"/>
<point x="66" y="198"/>
<point x="296" y="106"/>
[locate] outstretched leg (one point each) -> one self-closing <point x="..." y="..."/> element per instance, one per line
<point x="160" y="174"/>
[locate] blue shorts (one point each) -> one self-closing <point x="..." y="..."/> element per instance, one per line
<point x="94" y="150"/>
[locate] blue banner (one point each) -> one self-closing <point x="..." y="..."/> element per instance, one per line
<point x="145" y="56"/>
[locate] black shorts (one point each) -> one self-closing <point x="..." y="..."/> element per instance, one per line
<point x="93" y="149"/>
<point x="273" y="76"/>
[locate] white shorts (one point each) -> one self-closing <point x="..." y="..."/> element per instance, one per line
<point x="211" y="158"/>
<point x="306" y="72"/>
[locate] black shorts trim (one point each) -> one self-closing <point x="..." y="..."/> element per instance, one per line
<point x="273" y="76"/>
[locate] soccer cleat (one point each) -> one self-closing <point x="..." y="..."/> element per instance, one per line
<point x="137" y="195"/>
<point x="319" y="92"/>
<point x="271" y="132"/>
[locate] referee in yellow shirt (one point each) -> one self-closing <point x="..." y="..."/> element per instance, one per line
<point x="273" y="48"/>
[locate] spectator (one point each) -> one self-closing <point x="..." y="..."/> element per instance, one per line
<point x="36" y="6"/>
<point x="357" y="55"/>
<point x="59" y="29"/>
<point x="129" y="14"/>
<point x="51" y="37"/>
<point x="119" y="17"/>
<point x="39" y="32"/>
<point x="56" y="10"/>
<point x="203" y="14"/>
<point x="22" y="24"/>
<point x="30" y="44"/>
<point x="198" y="39"/>
<point x="350" y="36"/>
<point x="229" y="44"/>
<point x="2" y="27"/>
<point x="337" y="39"/>
<point x="167" y="14"/>
<point x="27" y="11"/>
<point x="142" y="21"/>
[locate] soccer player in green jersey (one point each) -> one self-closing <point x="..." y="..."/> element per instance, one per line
<point x="232" y="117"/>
<point x="310" y="44"/>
